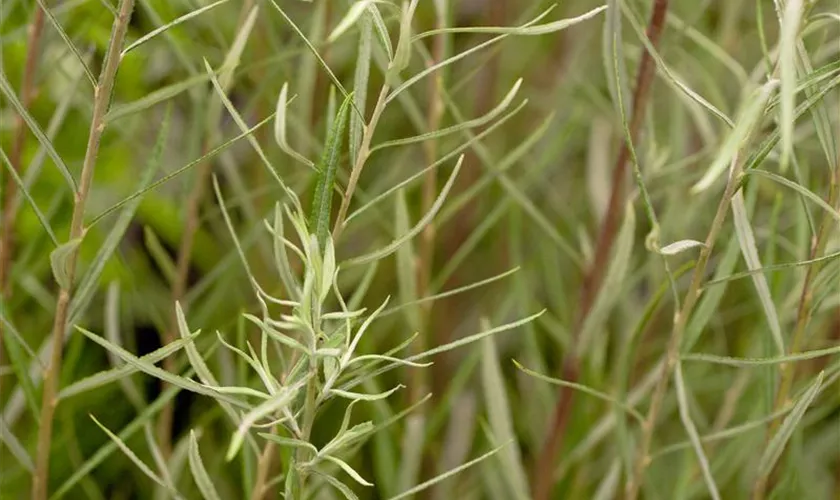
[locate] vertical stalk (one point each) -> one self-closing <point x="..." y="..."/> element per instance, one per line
<point x="680" y="323"/>
<point x="309" y="407"/>
<point x="544" y="468"/>
<point x="102" y="99"/>
<point x="427" y="236"/>
<point x="359" y="164"/>
<point x="263" y="468"/>
<point x="803" y="318"/>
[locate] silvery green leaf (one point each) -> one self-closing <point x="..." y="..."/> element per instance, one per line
<point x="779" y="441"/>
<point x="290" y="442"/>
<point x="335" y="483"/>
<point x="364" y="397"/>
<point x="274" y="334"/>
<point x="280" y="127"/>
<point x="402" y="55"/>
<point x="381" y="31"/>
<point x="680" y="246"/>
<point x="61" y="260"/>
<point x="202" y="478"/>
<point x="747" y="120"/>
<point x="342" y="315"/>
<point x="349" y="470"/>
<point x="346" y="437"/>
<point x="362" y="330"/>
<point x="328" y="270"/>
<point x="353" y="14"/>
<point x="273" y="405"/>
<point x="431" y="482"/>
<point x="135" y="459"/>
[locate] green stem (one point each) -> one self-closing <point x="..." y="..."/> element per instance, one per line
<point x="803" y="317"/>
<point x="309" y="406"/>
<point x="102" y="100"/>
<point x="361" y="158"/>
<point x="680" y="323"/>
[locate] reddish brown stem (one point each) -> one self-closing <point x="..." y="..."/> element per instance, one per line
<point x="544" y="468"/>
<point x="7" y="233"/>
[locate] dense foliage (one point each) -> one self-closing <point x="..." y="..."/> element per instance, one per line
<point x="441" y="249"/>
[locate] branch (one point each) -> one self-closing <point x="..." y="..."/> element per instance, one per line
<point x="544" y="469"/>
<point x="102" y="99"/>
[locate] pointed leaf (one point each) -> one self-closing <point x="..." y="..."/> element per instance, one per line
<point x="319" y="221"/>
<point x="680" y="246"/>
<point x="779" y="441"/>
<point x="349" y="470"/>
<point x="202" y="479"/>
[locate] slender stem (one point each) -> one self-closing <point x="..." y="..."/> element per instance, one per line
<point x="420" y="378"/>
<point x="543" y="470"/>
<point x="803" y="318"/>
<point x="309" y="409"/>
<point x="102" y="100"/>
<point x="361" y="158"/>
<point x="680" y="323"/>
<point x="263" y="468"/>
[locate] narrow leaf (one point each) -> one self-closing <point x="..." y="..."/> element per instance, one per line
<point x="777" y="360"/>
<point x="353" y="14"/>
<point x="427" y="218"/>
<point x="349" y="470"/>
<point x="787" y="75"/>
<point x="501" y="421"/>
<point x="319" y="221"/>
<point x="779" y="441"/>
<point x="747" y="121"/>
<point x="186" y="17"/>
<point x="202" y="479"/>
<point x="746" y="240"/>
<point x="446" y="475"/>
<point x="799" y="189"/>
<point x="9" y="92"/>
<point x="156" y="372"/>
<point x="134" y="458"/>
<point x="280" y="127"/>
<point x="680" y="246"/>
<point x="691" y="429"/>
<point x="22" y="188"/>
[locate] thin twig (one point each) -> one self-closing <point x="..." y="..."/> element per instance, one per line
<point x="420" y="382"/>
<point x="102" y="100"/>
<point x="680" y="323"/>
<point x="543" y="470"/>
<point x="803" y="318"/>
<point x="359" y="164"/>
<point x="263" y="469"/>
